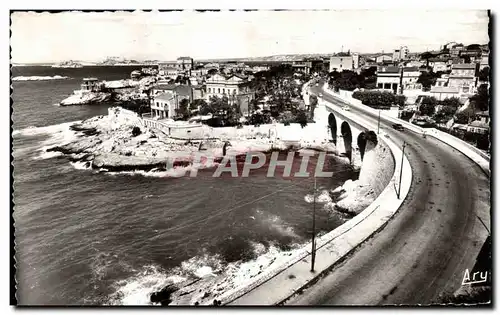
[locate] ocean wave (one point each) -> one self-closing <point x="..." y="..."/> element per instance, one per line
<point x="208" y="277"/>
<point x="39" y="78"/>
<point x="44" y="155"/>
<point x="175" y="172"/>
<point x="35" y="131"/>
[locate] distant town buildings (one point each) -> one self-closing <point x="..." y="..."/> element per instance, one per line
<point x="400" y="54"/>
<point x="185" y="63"/>
<point x="383" y="57"/>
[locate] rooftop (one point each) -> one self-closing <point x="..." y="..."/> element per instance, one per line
<point x="388" y="69"/>
<point x="464" y="66"/>
<point x="444" y="89"/>
<point x="164" y="97"/>
<point x="408" y="69"/>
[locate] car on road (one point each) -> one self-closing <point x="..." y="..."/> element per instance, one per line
<point x="320" y="94"/>
<point x="345" y="108"/>
<point x="398" y="127"/>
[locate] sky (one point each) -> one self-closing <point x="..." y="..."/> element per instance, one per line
<point x="86" y="36"/>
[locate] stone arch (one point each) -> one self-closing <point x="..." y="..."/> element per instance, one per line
<point x="371" y="138"/>
<point x="367" y="140"/>
<point x="362" y="144"/>
<point x="345" y="130"/>
<point x="332" y="123"/>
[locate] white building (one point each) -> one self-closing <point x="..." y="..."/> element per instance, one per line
<point x="341" y="63"/>
<point x="410" y="78"/>
<point x="383" y="57"/>
<point x="234" y="87"/>
<point x="163" y="105"/>
<point x="439" y="66"/>
<point x="484" y="61"/>
<point x="219" y="85"/>
<point x="400" y="54"/>
<point x="389" y="78"/>
<point x="463" y="76"/>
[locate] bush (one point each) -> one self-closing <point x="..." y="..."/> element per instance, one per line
<point x="451" y="101"/>
<point x="136" y="131"/>
<point x="377" y="99"/>
<point x="301" y="118"/>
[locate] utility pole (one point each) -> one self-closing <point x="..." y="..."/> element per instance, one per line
<point x="401" y="171"/>
<point x="378" y="125"/>
<point x="313" y="243"/>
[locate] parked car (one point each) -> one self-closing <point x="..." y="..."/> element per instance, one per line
<point x="320" y="94"/>
<point x="398" y="127"/>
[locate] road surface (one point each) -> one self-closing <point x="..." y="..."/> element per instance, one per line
<point x="426" y="247"/>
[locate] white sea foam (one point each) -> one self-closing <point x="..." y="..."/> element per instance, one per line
<point x="47" y="155"/>
<point x="34" y="131"/>
<point x="179" y="171"/>
<point x="39" y="78"/>
<point x="215" y="277"/>
<point x="80" y="165"/>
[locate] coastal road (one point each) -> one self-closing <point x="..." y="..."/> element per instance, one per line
<point x="426" y="247"/>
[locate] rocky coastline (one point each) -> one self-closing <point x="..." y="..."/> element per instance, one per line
<point x="117" y="91"/>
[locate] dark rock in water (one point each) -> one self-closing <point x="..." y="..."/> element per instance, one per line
<point x="164" y="296"/>
<point x="85" y="130"/>
<point x="65" y="149"/>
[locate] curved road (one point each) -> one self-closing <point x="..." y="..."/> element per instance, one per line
<point x="425" y="248"/>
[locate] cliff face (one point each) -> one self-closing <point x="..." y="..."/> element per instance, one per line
<point x="377" y="167"/>
<point x="376" y="172"/>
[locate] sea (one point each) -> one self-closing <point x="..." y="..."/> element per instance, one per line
<point x="90" y="238"/>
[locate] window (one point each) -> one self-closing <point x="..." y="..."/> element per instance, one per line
<point x="218" y="90"/>
<point x="209" y="90"/>
<point x="157" y="104"/>
<point x="380" y="86"/>
<point x="223" y="91"/>
<point x="387" y="85"/>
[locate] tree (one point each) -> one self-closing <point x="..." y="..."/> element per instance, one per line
<point x="445" y="113"/>
<point x="484" y="74"/>
<point x="427" y="79"/>
<point x="183" y="110"/>
<point x="428" y="106"/>
<point x="313" y="102"/>
<point x="426" y="56"/>
<point x="400" y="100"/>
<point x="464" y="116"/>
<point x="451" y="101"/>
<point x="480" y="100"/>
<point x="198" y="103"/>
<point x="302" y="118"/>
